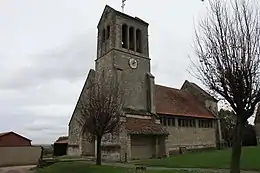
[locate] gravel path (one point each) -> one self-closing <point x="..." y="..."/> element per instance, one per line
<point x="201" y="170"/>
<point x="16" y="169"/>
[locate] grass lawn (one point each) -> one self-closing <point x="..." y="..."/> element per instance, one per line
<point x="250" y="159"/>
<point x="68" y="157"/>
<point x="81" y="167"/>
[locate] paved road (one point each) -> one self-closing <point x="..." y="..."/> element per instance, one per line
<point x="16" y="169"/>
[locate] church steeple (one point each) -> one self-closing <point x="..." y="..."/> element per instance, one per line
<point x="117" y="30"/>
<point x="123" y="44"/>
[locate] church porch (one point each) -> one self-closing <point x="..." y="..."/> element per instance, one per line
<point x="146" y="139"/>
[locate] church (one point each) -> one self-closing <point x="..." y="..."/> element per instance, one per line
<point x="158" y="120"/>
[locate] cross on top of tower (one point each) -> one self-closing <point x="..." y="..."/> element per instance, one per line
<point x="123" y="5"/>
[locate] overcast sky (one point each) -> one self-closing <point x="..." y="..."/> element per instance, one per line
<point x="48" y="46"/>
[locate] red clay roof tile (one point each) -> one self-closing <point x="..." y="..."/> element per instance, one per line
<point x="144" y="126"/>
<point x="62" y="140"/>
<point x="171" y="101"/>
<point x="5" y="133"/>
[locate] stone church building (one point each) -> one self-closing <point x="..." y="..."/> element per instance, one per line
<point x="157" y="120"/>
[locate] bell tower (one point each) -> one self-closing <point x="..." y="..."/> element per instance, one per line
<point x="120" y="31"/>
<point x="122" y="44"/>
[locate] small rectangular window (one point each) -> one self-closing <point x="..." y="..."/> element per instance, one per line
<point x="131" y="39"/>
<point x="124" y="36"/>
<point x="169" y="122"/>
<point x="183" y="123"/>
<point x="103" y="35"/>
<point x="187" y="123"/>
<point x="179" y="122"/>
<point x="173" y="121"/>
<point x="108" y="32"/>
<point x="164" y="122"/>
<point x="200" y="125"/>
<point x="138" y="41"/>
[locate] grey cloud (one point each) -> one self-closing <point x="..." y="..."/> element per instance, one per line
<point x="59" y="92"/>
<point x="49" y="125"/>
<point x="39" y="127"/>
<point x="70" y="62"/>
<point x="49" y="111"/>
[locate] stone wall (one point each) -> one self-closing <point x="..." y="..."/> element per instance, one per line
<point x="125" y="141"/>
<point x="208" y="101"/>
<point x="202" y="96"/>
<point x="14" y="156"/>
<point x="190" y="137"/>
<point x="74" y="138"/>
<point x="257" y="129"/>
<point x="87" y="143"/>
<point x="110" y="153"/>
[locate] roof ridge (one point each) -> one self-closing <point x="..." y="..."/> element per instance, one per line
<point x="175" y="89"/>
<point x="5" y="133"/>
<point x="166" y="87"/>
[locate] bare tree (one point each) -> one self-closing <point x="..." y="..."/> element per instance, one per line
<point x="227" y="46"/>
<point x="101" y="109"/>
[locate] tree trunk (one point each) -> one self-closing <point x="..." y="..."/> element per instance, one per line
<point x="98" y="160"/>
<point x="237" y="146"/>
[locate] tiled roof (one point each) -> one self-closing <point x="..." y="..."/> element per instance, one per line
<point x="2" y="134"/>
<point x="5" y="133"/>
<point x="144" y="126"/>
<point x="170" y="101"/>
<point x="62" y="140"/>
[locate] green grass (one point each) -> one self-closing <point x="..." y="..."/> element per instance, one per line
<point x="68" y="157"/>
<point x="81" y="167"/>
<point x="250" y="159"/>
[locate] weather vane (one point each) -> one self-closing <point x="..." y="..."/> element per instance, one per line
<point x="123" y="5"/>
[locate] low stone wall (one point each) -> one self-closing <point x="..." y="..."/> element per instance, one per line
<point x="110" y="153"/>
<point x="12" y="156"/>
<point x="190" y="137"/>
<point x="182" y="149"/>
<point x="73" y="150"/>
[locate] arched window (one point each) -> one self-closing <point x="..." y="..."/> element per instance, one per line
<point x="131" y="39"/>
<point x="124" y="36"/>
<point x="103" y="35"/>
<point x="108" y="32"/>
<point x="138" y="41"/>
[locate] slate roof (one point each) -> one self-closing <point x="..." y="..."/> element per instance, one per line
<point x="175" y="102"/>
<point x="144" y="126"/>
